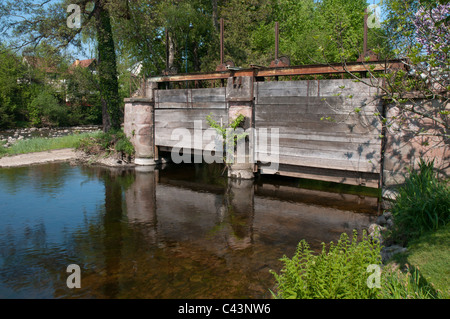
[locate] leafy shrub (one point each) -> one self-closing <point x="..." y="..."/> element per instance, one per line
<point x="46" y="109"/>
<point x="109" y="142"/>
<point x="124" y="145"/>
<point x="339" y="273"/>
<point x="422" y="204"/>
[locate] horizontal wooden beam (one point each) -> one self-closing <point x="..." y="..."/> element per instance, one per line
<point x="336" y="68"/>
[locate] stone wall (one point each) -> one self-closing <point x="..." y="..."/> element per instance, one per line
<point x="139" y="127"/>
<point x="404" y="148"/>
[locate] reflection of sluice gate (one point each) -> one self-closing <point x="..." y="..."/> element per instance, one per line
<point x="242" y="214"/>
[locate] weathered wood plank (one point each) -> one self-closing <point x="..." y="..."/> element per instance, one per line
<point x="190" y="95"/>
<point x="315" y="87"/>
<point x="320" y="162"/>
<point x="186" y="138"/>
<point x="321" y="127"/>
<point x="189" y="105"/>
<point x="178" y="96"/>
<point x="188" y="113"/>
<point x="351" y="118"/>
<point x="208" y="95"/>
<point x="209" y="105"/>
<point x="329" y="146"/>
<point x="330" y="137"/>
<point x="357" y="154"/>
<point x="329" y="175"/>
<point x="167" y="120"/>
<point x="171" y="105"/>
<point x="316" y="105"/>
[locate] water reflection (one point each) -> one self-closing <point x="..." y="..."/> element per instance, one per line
<point x="177" y="232"/>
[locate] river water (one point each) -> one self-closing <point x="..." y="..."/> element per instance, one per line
<point x="179" y="231"/>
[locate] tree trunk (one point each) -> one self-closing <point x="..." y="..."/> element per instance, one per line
<point x="196" y="58"/>
<point x="171" y="52"/>
<point x="107" y="69"/>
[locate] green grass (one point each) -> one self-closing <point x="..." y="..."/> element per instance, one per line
<point x="114" y="141"/>
<point x="421" y="214"/>
<point x="44" y="144"/>
<point x="430" y="255"/>
<point x="422" y="204"/>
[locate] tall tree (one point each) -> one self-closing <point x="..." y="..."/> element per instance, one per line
<point x="242" y="19"/>
<point x="107" y="68"/>
<point x="31" y="22"/>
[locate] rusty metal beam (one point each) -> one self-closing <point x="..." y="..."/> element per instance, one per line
<point x="285" y="71"/>
<point x="328" y="69"/>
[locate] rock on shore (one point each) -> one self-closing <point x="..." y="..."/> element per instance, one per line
<point x="379" y="229"/>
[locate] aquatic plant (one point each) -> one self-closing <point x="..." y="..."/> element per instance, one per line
<point x="229" y="135"/>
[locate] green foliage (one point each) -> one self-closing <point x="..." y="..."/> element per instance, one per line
<point x="107" y="71"/>
<point x="430" y="252"/>
<point x="422" y="203"/>
<point x="31" y="97"/>
<point x="13" y="93"/>
<point x="111" y="142"/>
<point x="409" y="284"/>
<point x="47" y="22"/>
<point x="84" y="106"/>
<point x="41" y="144"/>
<point x="45" y="108"/>
<point x="340" y="272"/>
<point x="230" y="137"/>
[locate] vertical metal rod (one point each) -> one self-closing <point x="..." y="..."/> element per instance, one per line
<point x="221" y="40"/>
<point x="276" y="40"/>
<point x="365" y="34"/>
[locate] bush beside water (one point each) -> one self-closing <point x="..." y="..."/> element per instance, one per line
<point x="422" y="204"/>
<point x="339" y="272"/>
<point x="112" y="142"/>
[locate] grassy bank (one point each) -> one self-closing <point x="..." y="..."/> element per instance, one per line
<point x="430" y="255"/>
<point x="422" y="223"/>
<point x="45" y="144"/>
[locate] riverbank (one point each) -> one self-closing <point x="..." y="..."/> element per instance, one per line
<point x="61" y="155"/>
<point x="12" y="136"/>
